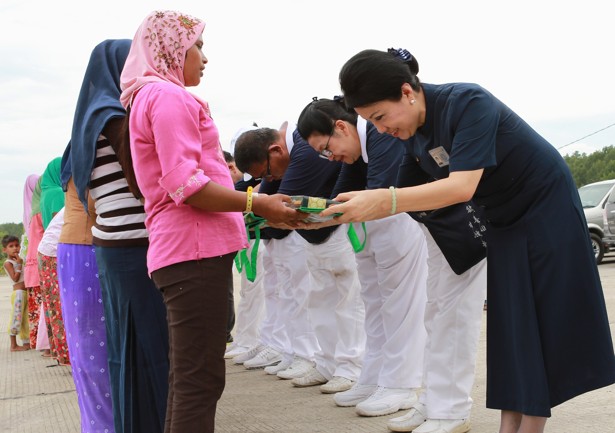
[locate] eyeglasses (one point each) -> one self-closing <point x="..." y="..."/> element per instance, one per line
<point x="268" y="176"/>
<point x="325" y="152"/>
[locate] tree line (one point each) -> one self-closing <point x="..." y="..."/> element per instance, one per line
<point x="599" y="165"/>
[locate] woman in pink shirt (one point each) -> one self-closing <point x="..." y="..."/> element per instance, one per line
<point x="193" y="211"/>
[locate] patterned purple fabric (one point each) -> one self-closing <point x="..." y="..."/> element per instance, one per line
<point x="84" y="322"/>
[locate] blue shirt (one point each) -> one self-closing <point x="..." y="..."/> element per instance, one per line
<point x="477" y="131"/>
<point x="307" y="174"/>
<point x="378" y="165"/>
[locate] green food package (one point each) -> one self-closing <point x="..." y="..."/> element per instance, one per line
<point x="313" y="206"/>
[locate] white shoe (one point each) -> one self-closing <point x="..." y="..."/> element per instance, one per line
<point x="274" y="369"/>
<point x="354" y="395"/>
<point x="233" y="350"/>
<point x="444" y="426"/>
<point x="312" y="378"/>
<point x="299" y="367"/>
<point x="408" y="422"/>
<point x="386" y="401"/>
<point x="240" y="359"/>
<point x="337" y="384"/>
<point x="230" y="346"/>
<point x="267" y="356"/>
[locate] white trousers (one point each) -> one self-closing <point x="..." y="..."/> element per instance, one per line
<point x="393" y="275"/>
<point x="294" y="284"/>
<point x="453" y="319"/>
<point x="251" y="306"/>
<point x="336" y="309"/>
<point x="270" y="334"/>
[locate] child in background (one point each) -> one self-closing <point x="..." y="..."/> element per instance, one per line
<point x="18" y="324"/>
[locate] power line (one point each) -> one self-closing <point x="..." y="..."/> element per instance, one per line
<point x="588" y="135"/>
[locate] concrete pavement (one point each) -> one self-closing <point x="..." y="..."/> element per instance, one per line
<point x="38" y="396"/>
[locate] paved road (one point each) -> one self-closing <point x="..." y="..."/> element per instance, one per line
<point x="37" y="396"/>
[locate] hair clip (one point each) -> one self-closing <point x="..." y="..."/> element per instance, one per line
<point x="400" y="53"/>
<point x="338" y="98"/>
<point x="314" y="98"/>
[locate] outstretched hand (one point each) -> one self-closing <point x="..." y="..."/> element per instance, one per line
<point x="360" y="206"/>
<point x="282" y="226"/>
<point x="275" y="210"/>
<point x="308" y="225"/>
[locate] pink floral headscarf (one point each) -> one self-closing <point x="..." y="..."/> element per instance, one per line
<point x="158" y="51"/>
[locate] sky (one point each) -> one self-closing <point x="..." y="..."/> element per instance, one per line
<point x="551" y="62"/>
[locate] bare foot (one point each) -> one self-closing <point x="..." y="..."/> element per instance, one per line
<point x="18" y="349"/>
<point x="46" y="353"/>
<point x="26" y="347"/>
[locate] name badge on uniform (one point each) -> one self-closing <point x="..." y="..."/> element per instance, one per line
<point x="440" y="156"/>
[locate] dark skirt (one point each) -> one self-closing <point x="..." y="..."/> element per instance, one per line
<point x="137" y="339"/>
<point x="548" y="337"/>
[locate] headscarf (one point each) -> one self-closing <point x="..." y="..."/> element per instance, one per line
<point x="98" y="102"/>
<point x="28" y="191"/>
<point x="52" y="195"/>
<point x="36" y="199"/>
<point x="158" y="51"/>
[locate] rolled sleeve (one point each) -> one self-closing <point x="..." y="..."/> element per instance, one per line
<point x="183" y="181"/>
<point x="175" y="124"/>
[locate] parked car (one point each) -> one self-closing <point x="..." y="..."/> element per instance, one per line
<point x="608" y="217"/>
<point x="594" y="197"/>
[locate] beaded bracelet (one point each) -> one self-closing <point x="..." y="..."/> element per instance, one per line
<point x="393" y="200"/>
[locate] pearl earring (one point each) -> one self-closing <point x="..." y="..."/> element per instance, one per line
<point x="412" y="101"/>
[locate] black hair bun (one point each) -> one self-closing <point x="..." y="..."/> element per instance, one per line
<point x="406" y="57"/>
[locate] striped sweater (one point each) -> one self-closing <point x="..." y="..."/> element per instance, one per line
<point x="121" y="217"/>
